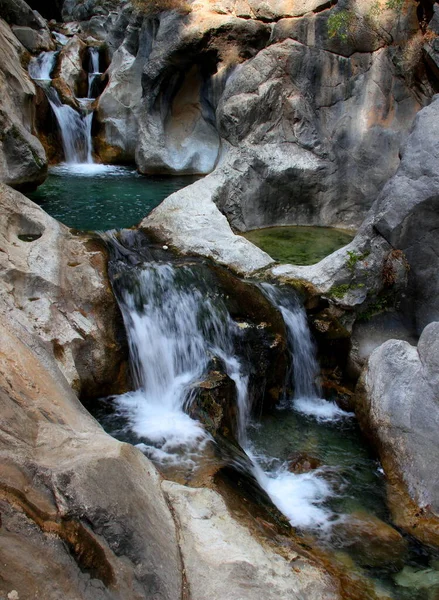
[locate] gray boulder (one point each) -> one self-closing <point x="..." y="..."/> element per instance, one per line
<point x="33" y="40"/>
<point x="398" y="404"/>
<point x="22" y="157"/>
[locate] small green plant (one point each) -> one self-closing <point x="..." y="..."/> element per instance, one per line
<point x="379" y="305"/>
<point x="339" y="291"/>
<point x="340" y="24"/>
<point x="354" y="258"/>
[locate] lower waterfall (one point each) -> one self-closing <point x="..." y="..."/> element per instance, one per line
<point x="176" y="326"/>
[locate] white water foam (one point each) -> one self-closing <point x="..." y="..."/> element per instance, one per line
<point x="320" y="409"/>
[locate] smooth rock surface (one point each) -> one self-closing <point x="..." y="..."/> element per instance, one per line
<point x="54" y="284"/>
<point x="223" y="561"/>
<point x="191" y="221"/>
<point x="398" y="404"/>
<point x="69" y="78"/>
<point x="22" y="157"/>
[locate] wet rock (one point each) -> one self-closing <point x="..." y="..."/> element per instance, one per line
<point x="69" y="77"/>
<point x="54" y="284"/>
<point x="389" y="406"/>
<point x="372" y="542"/>
<point x="213" y="403"/>
<point x="223" y="560"/>
<point x="22" y="157"/>
<point x="301" y="462"/>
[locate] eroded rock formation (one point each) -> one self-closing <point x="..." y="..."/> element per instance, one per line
<point x="22" y="157"/>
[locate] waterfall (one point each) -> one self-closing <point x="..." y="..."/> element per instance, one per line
<point x="176" y="324"/>
<point x="174" y="329"/>
<point x="75" y="127"/>
<point x="93" y="74"/>
<point x="41" y="66"/>
<point x="304" y="372"/>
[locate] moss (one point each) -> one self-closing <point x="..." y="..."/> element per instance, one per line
<point x="338" y="291"/>
<point x="354" y="258"/>
<point x="380" y="304"/>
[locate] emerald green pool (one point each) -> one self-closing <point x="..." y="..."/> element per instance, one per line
<point x="92" y="197"/>
<point x="299" y="245"/>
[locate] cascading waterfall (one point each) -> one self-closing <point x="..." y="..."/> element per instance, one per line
<point x="75" y="127"/>
<point x="174" y="330"/>
<point x="299" y="496"/>
<point x="175" y="327"/>
<point x="304" y="373"/>
<point x="93" y="73"/>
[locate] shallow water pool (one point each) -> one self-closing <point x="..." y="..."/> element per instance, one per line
<point x="299" y="245"/>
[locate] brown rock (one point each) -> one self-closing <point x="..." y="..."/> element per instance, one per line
<point x="371" y="541"/>
<point x="301" y="462"/>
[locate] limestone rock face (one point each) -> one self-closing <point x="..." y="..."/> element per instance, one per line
<point x="69" y="78"/>
<point x="192" y="222"/>
<point x="407" y="215"/>
<point x="288" y="117"/>
<point x="398" y="404"/>
<point x="22" y="157"/>
<point x="83" y="514"/>
<point x="304" y="146"/>
<point x="222" y="560"/>
<point x="53" y="283"/>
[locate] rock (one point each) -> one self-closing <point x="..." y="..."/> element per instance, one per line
<point x="403" y="428"/>
<point x="81" y="10"/>
<point x="32" y="40"/>
<point x="181" y="85"/>
<point x="22" y="158"/>
<point x="190" y="221"/>
<point x="213" y="403"/>
<point x="83" y="514"/>
<point x="301" y="462"/>
<point x="54" y="284"/>
<point x="371" y="541"/>
<point x="222" y="560"/>
<point x="117" y="105"/>
<point x="69" y="77"/>
<point x="302" y="149"/>
<point x="18" y="12"/>
<point x="406" y="215"/>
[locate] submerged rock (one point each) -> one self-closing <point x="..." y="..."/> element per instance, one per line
<point x="370" y="541"/>
<point x="397" y="402"/>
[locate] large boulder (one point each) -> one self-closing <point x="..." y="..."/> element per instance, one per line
<point x="54" y="283"/>
<point x="22" y="157"/>
<point x="397" y="402"/>
<point x="222" y="560"/>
